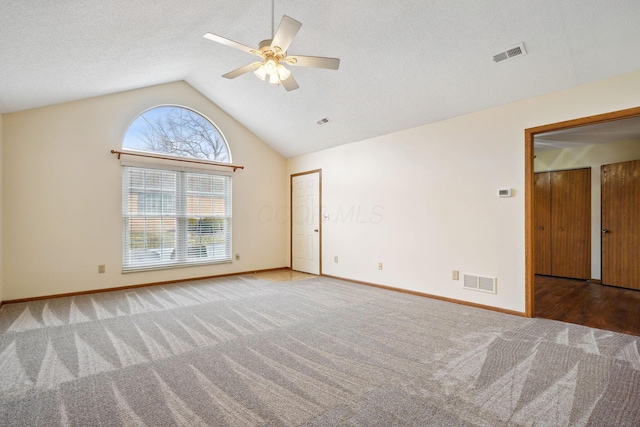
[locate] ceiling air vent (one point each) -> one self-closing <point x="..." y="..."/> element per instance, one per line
<point x="510" y="53"/>
<point x="323" y="121"/>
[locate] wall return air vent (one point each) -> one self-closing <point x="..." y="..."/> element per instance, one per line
<point x="479" y="283"/>
<point x="512" y="52"/>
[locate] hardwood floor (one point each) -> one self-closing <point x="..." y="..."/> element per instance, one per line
<point x="589" y="304"/>
<point x="284" y="275"/>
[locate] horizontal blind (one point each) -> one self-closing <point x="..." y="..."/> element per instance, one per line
<point x="174" y="218"/>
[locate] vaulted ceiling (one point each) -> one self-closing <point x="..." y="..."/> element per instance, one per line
<point x="403" y="63"/>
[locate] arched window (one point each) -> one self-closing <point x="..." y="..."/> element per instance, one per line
<point x="175" y="217"/>
<point x="179" y="132"/>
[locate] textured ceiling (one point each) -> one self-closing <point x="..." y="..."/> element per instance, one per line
<point x="403" y="63"/>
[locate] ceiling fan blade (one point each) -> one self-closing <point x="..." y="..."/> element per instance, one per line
<point x="285" y="33"/>
<point x="290" y="84"/>
<point x="313" y="61"/>
<point x="242" y="70"/>
<point x="230" y="43"/>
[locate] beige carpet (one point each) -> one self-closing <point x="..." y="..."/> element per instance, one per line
<point x="255" y="351"/>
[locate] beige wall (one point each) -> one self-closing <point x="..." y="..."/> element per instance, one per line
<point x="592" y="156"/>
<point x="424" y="201"/>
<point x="62" y="195"/>
<point x="1" y="209"/>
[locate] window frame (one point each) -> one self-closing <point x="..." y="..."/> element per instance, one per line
<point x="210" y="227"/>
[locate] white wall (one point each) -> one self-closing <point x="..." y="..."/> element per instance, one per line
<point x="424" y="201"/>
<point x="62" y="195"/>
<point x="592" y="156"/>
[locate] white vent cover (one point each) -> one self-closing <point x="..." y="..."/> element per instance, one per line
<point x="323" y="121"/>
<point x="479" y="283"/>
<point x="510" y="53"/>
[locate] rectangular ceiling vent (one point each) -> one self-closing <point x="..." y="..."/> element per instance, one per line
<point x="510" y="53"/>
<point x="323" y="121"/>
<point x="480" y="283"/>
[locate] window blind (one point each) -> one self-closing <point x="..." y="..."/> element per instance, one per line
<point x="174" y="218"/>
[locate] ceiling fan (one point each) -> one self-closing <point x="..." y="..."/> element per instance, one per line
<point x="273" y="53"/>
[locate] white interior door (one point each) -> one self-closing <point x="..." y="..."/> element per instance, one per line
<point x="305" y="223"/>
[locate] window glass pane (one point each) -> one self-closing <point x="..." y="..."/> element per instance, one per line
<point x="208" y="237"/>
<point x="150" y="240"/>
<point x="177" y="131"/>
<point x="150" y="192"/>
<point x="175" y="218"/>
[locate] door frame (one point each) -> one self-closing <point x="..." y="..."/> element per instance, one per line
<point x="529" y="135"/>
<point x="319" y="172"/>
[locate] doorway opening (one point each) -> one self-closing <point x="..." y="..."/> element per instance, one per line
<point x="565" y="139"/>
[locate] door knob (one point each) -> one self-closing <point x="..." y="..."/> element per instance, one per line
<point x="604" y="230"/>
<point x="316" y="230"/>
<point x="540" y="228"/>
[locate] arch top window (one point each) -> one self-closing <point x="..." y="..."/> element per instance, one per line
<point x="179" y="132"/>
<point x="174" y="216"/>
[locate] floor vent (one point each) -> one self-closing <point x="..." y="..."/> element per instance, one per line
<point x="479" y="283"/>
<point x="510" y="53"/>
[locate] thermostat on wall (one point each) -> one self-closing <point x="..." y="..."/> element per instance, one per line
<point x="504" y="193"/>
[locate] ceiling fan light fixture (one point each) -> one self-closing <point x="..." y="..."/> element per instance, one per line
<point x="273" y="79"/>
<point x="270" y="66"/>
<point x="283" y="72"/>
<point x="261" y="73"/>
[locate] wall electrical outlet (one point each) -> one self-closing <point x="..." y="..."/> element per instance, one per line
<point x="335" y="259"/>
<point x="379" y="266"/>
<point x="102" y="268"/>
<point x="237" y="257"/>
<point x="455" y="275"/>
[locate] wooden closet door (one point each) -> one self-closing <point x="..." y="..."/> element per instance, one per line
<point x="621" y="224"/>
<point x="571" y="223"/>
<point x="542" y="222"/>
